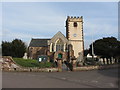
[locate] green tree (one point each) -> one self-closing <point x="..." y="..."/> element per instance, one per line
<point x="16" y="48"/>
<point x="6" y="48"/>
<point x="106" y="47"/>
<point x="86" y="51"/>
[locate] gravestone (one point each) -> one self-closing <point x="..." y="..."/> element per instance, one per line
<point x="105" y="60"/>
<point x="25" y="56"/>
<point x="109" y="61"/>
<point x="101" y="61"/>
<point x="112" y="60"/>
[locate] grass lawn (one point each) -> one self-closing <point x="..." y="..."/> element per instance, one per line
<point x="32" y="63"/>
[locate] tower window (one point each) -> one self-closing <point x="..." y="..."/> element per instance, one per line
<point x="75" y="24"/>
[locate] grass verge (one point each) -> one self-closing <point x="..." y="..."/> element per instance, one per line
<point x="32" y="63"/>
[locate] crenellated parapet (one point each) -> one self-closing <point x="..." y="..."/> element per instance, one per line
<point x="71" y="18"/>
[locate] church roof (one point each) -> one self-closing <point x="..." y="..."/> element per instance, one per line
<point x="57" y="36"/>
<point x="39" y="43"/>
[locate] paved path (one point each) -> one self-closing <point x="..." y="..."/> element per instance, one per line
<point x="83" y="79"/>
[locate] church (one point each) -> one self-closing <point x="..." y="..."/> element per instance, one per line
<point x="59" y="46"/>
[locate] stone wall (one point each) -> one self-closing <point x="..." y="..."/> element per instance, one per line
<point x="86" y="68"/>
<point x="29" y="69"/>
<point x="34" y="52"/>
<point x="7" y="63"/>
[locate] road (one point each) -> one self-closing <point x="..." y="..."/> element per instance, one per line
<point x="82" y="79"/>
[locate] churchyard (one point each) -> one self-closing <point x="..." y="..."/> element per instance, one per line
<point x="29" y="65"/>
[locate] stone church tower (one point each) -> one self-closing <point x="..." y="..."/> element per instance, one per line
<point x="74" y="33"/>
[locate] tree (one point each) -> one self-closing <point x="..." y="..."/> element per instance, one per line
<point x="86" y="51"/>
<point x="106" y="47"/>
<point x="16" y="48"/>
<point x="6" y="48"/>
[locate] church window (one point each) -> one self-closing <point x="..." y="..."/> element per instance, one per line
<point x="75" y="24"/>
<point x="59" y="45"/>
<point x="62" y="47"/>
<point x="52" y="48"/>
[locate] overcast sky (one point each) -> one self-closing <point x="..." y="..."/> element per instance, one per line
<point x="43" y="20"/>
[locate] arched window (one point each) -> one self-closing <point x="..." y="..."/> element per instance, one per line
<point x="70" y="47"/>
<point x="75" y="24"/>
<point x="59" y="45"/>
<point x="52" y="48"/>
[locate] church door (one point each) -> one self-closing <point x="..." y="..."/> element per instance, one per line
<point x="60" y="56"/>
